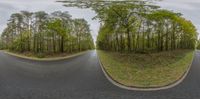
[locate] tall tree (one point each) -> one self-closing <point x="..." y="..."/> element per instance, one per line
<point x="43" y="33"/>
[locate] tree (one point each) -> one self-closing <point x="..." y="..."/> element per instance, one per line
<point x="43" y="33"/>
<point x="27" y="18"/>
<point x="138" y="26"/>
<point x="144" y="29"/>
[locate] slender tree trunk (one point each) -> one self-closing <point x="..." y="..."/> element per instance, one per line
<point x="128" y="40"/>
<point x="148" y="36"/>
<point x="122" y="44"/>
<point x="143" y="39"/>
<point x="62" y="44"/>
<point x="166" y="39"/>
<point x="54" y="45"/>
<point x="159" y="41"/>
<point x="117" y="39"/>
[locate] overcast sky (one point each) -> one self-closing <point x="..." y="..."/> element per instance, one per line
<point x="189" y="8"/>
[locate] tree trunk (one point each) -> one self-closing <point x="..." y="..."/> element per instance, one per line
<point x="128" y="40"/>
<point x="62" y="44"/>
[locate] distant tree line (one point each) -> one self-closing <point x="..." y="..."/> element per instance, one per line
<point x="143" y="28"/>
<point x="40" y="32"/>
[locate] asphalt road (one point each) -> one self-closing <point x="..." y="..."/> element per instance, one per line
<point x="79" y="78"/>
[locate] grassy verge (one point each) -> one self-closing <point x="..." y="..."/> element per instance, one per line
<point x="146" y="70"/>
<point x="44" y="57"/>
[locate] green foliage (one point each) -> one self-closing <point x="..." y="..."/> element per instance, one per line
<point x="137" y="26"/>
<point x="143" y="29"/>
<point x="44" y="33"/>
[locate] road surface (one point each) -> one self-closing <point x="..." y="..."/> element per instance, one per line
<point x="79" y="78"/>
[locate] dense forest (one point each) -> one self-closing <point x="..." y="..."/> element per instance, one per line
<point x="141" y="28"/>
<point x="126" y="26"/>
<point x="40" y="32"/>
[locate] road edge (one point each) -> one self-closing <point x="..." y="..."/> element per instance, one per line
<point x="43" y="59"/>
<point x="135" y="88"/>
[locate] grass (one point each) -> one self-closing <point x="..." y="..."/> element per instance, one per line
<point x="41" y="56"/>
<point x="146" y="70"/>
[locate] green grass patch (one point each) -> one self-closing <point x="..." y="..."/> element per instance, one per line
<point x="146" y="70"/>
<point x="44" y="56"/>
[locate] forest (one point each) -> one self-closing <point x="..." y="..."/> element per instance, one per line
<point x="40" y="32"/>
<point x="144" y="29"/>
<point x="134" y="26"/>
<point x="139" y="26"/>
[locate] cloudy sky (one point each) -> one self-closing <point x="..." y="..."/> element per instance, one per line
<point x="189" y="8"/>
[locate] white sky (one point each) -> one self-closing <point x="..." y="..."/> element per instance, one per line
<point x="189" y="8"/>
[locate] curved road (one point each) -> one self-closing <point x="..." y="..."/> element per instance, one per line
<point x="79" y="78"/>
